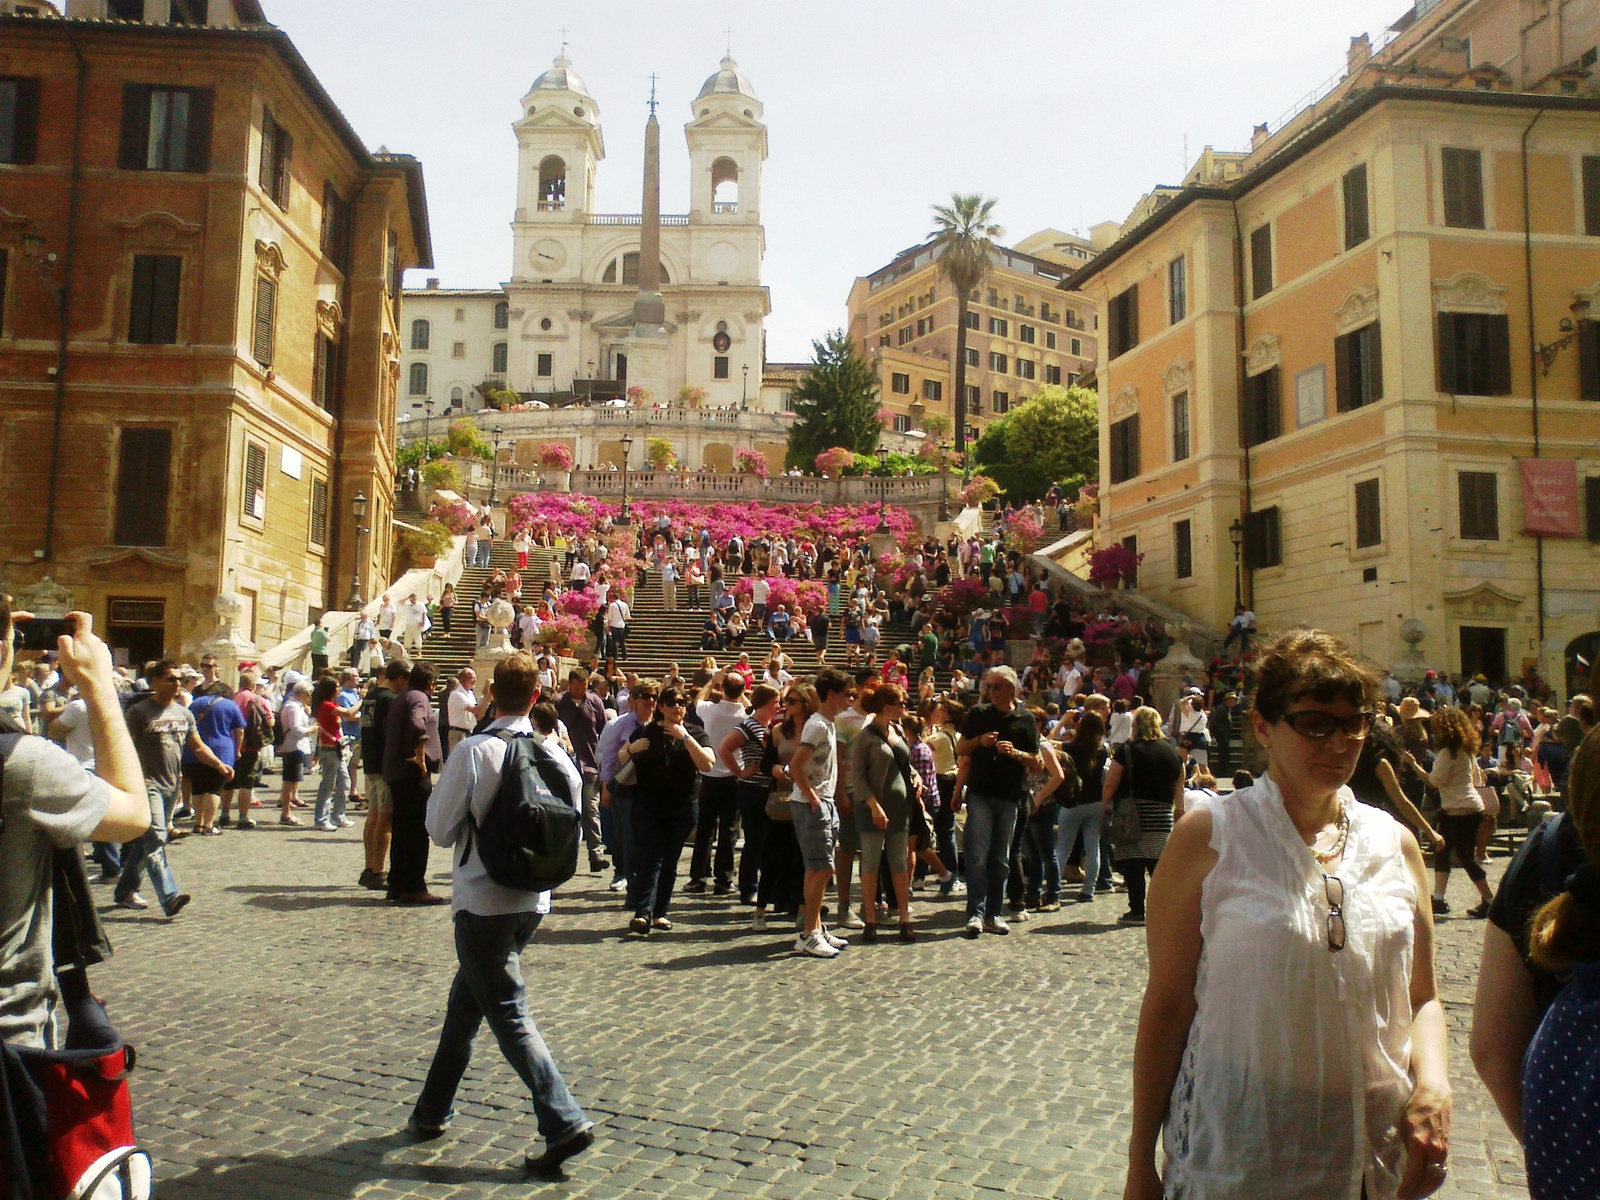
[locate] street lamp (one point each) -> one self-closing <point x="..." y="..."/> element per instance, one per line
<point x="589" y="398"/>
<point x="1236" y="536"/>
<point x="883" y="490"/>
<point x="358" y="508"/>
<point x="627" y="447"/>
<point x="744" y="390"/>
<point x="494" y="471"/>
<point x="427" y="419"/>
<point x="944" y="481"/>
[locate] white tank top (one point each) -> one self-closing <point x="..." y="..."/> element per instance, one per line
<point x="1297" y="1064"/>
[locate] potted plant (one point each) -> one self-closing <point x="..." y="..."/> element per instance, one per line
<point x="1114" y="566"/>
<point x="833" y="461"/>
<point x="752" y="462"/>
<point x="690" y="396"/>
<point x="456" y="516"/>
<point x="421" y="547"/>
<point x="640" y="396"/>
<point x="979" y="492"/>
<point x="658" y="452"/>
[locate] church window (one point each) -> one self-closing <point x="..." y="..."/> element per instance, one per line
<point x="419" y="379"/>
<point x="546" y="324"/>
<point x="501" y="351"/>
<point x="547" y="366"/>
<point x="719" y="367"/>
<point x="420" y="334"/>
<point x="552" y="185"/>
<point x="502" y="315"/>
<point x="724" y="186"/>
<point x="458" y="397"/>
<point x="458" y="350"/>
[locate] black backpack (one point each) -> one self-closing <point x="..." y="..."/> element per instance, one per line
<point x="529" y="837"/>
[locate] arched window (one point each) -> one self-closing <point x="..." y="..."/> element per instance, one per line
<point x="724" y="186"/>
<point x="419" y="377"/>
<point x="457" y="397"/>
<point x="421" y="332"/>
<point x="630" y="270"/>
<point x="552" y="185"/>
<point x="502" y="315"/>
<point x="500" y="355"/>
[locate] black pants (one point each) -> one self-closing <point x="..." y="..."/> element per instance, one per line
<point x="753" y="817"/>
<point x="1133" y="871"/>
<point x="319" y="664"/>
<point x="719" y="806"/>
<point x="1222" y="755"/>
<point x="444" y="618"/>
<point x="944" y="825"/>
<point x="408" y="847"/>
<point x="1460" y="834"/>
<point x="660" y="828"/>
<point x="782" y="869"/>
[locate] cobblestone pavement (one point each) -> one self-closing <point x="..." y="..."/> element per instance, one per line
<point x="285" y="1021"/>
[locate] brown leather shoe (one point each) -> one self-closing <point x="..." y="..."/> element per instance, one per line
<point x="412" y="899"/>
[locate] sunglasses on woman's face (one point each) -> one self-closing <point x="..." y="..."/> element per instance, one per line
<point x="1317" y="726"/>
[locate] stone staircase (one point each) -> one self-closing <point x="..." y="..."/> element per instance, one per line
<point x="450" y="652"/>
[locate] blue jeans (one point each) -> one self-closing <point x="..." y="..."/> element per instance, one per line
<point x="334" y="763"/>
<point x="621" y="844"/>
<point x="488" y="986"/>
<point x="1086" y="818"/>
<point x="991" y="822"/>
<point x="149" y="851"/>
<point x="485" y="549"/>
<point x="753" y="816"/>
<point x="109" y="856"/>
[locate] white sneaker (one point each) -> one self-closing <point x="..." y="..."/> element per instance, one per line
<point x="619" y="885"/>
<point x="133" y="900"/>
<point x="346" y="823"/>
<point x="816" y="946"/>
<point x="327" y="827"/>
<point x="833" y="939"/>
<point x="758" y="921"/>
<point x="994" y="925"/>
<point x="974" y="927"/>
<point x="849" y="920"/>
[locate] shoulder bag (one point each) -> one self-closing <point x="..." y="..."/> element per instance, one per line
<point x="1125" y="829"/>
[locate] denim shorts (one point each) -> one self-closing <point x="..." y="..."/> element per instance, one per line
<point x="817" y="831"/>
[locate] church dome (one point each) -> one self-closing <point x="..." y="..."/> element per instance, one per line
<point x="727" y="82"/>
<point x="562" y="78"/>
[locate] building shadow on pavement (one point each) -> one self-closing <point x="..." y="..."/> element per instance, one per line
<point x="338" y="1172"/>
<point x="1074" y="928"/>
<point x="364" y="899"/>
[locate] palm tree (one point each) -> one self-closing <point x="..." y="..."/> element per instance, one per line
<point x="964" y="233"/>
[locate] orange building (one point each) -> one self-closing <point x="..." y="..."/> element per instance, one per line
<point x="1367" y="351"/>
<point x="200" y="269"/>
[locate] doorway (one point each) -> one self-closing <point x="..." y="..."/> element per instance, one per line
<point x="1582" y="661"/>
<point x="136" y="631"/>
<point x="1483" y="652"/>
<point x="1131" y="544"/>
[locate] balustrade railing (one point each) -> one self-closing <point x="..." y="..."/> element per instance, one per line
<point x="712" y="485"/>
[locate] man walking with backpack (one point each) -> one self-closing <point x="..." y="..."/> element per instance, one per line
<point x="493" y="921"/>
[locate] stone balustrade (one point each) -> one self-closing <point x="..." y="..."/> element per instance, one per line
<point x="713" y="486"/>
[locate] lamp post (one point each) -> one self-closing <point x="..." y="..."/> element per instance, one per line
<point x="427" y="422"/>
<point x="744" y="390"/>
<point x="589" y="398"/>
<point x="883" y="490"/>
<point x="944" y="481"/>
<point x="358" y="509"/>
<point x="1236" y="536"/>
<point x="494" y="470"/>
<point x="627" y="447"/>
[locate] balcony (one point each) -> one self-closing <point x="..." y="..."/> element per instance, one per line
<point x="558" y="204"/>
<point x="1075" y="322"/>
<point x="634" y="219"/>
<point x="724" y="207"/>
<point x="710" y="485"/>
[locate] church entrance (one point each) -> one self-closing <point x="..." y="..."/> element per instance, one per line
<point x="1483" y="652"/>
<point x="1582" y="661"/>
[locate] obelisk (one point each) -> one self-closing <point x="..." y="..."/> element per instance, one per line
<point x="647" y="344"/>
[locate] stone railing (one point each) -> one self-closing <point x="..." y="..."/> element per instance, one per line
<point x="709" y="485"/>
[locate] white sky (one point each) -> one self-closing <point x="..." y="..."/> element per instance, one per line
<point x="1064" y="111"/>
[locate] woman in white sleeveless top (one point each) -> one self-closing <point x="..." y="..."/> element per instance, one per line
<point x="1291" y="1043"/>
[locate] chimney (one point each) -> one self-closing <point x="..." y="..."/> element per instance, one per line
<point x="1258" y="135"/>
<point x="433" y="285"/>
<point x="1358" y="54"/>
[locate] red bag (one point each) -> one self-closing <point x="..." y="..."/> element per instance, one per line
<point x="79" y="1098"/>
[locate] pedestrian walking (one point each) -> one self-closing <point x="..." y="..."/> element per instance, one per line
<point x="407" y="769"/>
<point x="493" y="925"/>
<point x="1147" y="768"/>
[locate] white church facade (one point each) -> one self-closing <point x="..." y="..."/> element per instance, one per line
<point x="564" y="325"/>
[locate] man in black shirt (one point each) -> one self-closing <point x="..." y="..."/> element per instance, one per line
<point x="1003" y="742"/>
<point x="380" y="803"/>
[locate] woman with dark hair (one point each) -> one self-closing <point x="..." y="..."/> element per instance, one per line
<point x="943" y="732"/>
<point x="782" y="882"/>
<point x="667" y="760"/>
<point x="1083" y="816"/>
<point x="882" y="790"/>
<point x="1457" y="776"/>
<point x="1286" y="932"/>
<point x="1377" y="780"/>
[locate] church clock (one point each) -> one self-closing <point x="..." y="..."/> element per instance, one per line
<point x="548" y="255"/>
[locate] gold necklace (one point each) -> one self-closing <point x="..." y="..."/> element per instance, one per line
<point x="1337" y="849"/>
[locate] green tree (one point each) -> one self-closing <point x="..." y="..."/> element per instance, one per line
<point x="1051" y="437"/>
<point x="835" y="404"/>
<point x="964" y="232"/>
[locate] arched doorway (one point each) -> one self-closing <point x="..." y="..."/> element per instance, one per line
<point x="1582" y="661"/>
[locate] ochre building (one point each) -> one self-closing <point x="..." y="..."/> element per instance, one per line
<point x="200" y="270"/>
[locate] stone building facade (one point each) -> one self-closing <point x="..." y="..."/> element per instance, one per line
<point x="218" y="381"/>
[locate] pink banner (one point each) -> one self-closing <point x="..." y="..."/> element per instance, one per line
<point x="1550" y="496"/>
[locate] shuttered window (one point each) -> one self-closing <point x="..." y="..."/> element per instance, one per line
<point x="1122" y="317"/>
<point x="1261" y="416"/>
<point x="1357" y="228"/>
<point x="266" y="320"/>
<point x="501" y="357"/>
<point x="319" y="512"/>
<point x="5" y="264"/>
<point x="1261" y="262"/>
<point x="153" y="301"/>
<point x="421" y="335"/>
<point x="1463" y="188"/>
<point x="418" y="379"/>
<point x="255" y="481"/>
<point x="1474" y="354"/>
<point x="336" y="228"/>
<point x="1480" y="505"/>
<point x="277" y="157"/>
<point x="1588" y="358"/>
<point x="1177" y="291"/>
<point x="325" y="374"/>
<point x="165" y="129"/>
<point x="1591" y="506"/>
<point x="1591" y="195"/>
<point x="1180" y="427"/>
<point x="1263" y="539"/>
<point x="144" y="466"/>
<point x="1369" y="514"/>
<point x="19" y="120"/>
<point x="1182" y="550"/>
<point x="1358" y="368"/>
<point x="1125" y="449"/>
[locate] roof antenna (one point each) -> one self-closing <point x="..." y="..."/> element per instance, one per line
<point x="729" y="32"/>
<point x="652" y="93"/>
<point x="563" y="39"/>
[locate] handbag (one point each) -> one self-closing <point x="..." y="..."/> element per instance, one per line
<point x="1126" y="829"/>
<point x="627" y="775"/>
